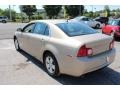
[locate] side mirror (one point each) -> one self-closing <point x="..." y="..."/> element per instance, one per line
<point x="20" y="29"/>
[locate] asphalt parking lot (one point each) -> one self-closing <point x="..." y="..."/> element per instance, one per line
<point x="21" y="68"/>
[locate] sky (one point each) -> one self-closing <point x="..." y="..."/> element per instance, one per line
<point x="88" y="7"/>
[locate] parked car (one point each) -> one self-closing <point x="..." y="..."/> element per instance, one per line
<point x="90" y="22"/>
<point x="102" y="19"/>
<point x="65" y="47"/>
<point x="3" y="19"/>
<point x="112" y="28"/>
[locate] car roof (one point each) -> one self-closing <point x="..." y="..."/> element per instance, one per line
<point x="53" y="21"/>
<point x="81" y="17"/>
<point x="57" y="21"/>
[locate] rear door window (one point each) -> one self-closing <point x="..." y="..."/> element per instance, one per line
<point x="41" y="28"/>
<point x="46" y="31"/>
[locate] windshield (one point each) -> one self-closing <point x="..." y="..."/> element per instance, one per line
<point x="114" y="22"/>
<point x="75" y="29"/>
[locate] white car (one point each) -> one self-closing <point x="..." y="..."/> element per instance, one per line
<point x="3" y="19"/>
<point x="71" y="48"/>
<point x="90" y="22"/>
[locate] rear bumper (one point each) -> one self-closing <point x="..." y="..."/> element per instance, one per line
<point x="83" y="65"/>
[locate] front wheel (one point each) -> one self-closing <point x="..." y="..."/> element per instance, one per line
<point x="116" y="38"/>
<point x="16" y="44"/>
<point x="51" y="64"/>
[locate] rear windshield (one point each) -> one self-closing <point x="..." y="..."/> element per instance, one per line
<point x="114" y="22"/>
<point x="76" y="29"/>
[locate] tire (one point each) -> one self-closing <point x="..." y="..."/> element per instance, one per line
<point x="51" y="64"/>
<point x="3" y="21"/>
<point x="97" y="26"/>
<point x="115" y="38"/>
<point x="17" y="47"/>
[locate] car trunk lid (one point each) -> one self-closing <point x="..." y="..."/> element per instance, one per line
<point x="98" y="42"/>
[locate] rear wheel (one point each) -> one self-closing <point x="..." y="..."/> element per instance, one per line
<point x="115" y="38"/>
<point x="51" y="64"/>
<point x="16" y="44"/>
<point x="97" y="26"/>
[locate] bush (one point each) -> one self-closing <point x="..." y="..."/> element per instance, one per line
<point x="40" y="17"/>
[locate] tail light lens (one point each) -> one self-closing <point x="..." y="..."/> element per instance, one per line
<point x="83" y="51"/>
<point x="111" y="45"/>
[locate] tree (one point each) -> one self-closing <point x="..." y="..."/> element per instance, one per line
<point x="1" y="12"/>
<point x="118" y="10"/>
<point x="81" y="10"/>
<point x="96" y="14"/>
<point x="74" y="10"/>
<point x="89" y="14"/>
<point x="52" y="10"/>
<point x="6" y="12"/>
<point x="107" y="11"/>
<point x="85" y="11"/>
<point x="28" y="9"/>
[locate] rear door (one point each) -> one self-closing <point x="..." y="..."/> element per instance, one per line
<point x="91" y="23"/>
<point x="38" y="39"/>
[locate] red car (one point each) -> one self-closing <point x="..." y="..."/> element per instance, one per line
<point x="112" y="28"/>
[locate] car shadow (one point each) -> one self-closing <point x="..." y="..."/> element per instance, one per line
<point x="106" y="76"/>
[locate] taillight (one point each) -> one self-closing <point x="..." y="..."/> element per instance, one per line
<point x="111" y="44"/>
<point x="84" y="51"/>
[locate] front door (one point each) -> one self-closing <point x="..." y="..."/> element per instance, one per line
<point x="24" y="37"/>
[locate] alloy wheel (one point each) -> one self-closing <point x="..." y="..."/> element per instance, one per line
<point x="50" y="64"/>
<point x="16" y="45"/>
